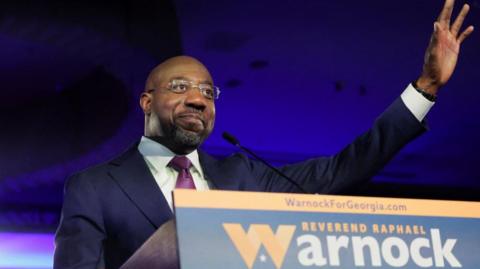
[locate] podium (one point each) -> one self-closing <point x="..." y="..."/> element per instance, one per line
<point x="225" y="229"/>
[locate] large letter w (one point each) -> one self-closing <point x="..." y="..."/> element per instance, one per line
<point x="249" y="243"/>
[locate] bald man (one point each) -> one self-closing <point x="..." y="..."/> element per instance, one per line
<point x="181" y="121"/>
<point x="111" y="209"/>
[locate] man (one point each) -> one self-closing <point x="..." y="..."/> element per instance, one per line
<point x="111" y="209"/>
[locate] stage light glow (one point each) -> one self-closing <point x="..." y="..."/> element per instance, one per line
<point x="26" y="250"/>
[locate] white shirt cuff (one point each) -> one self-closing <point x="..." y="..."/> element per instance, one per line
<point x="416" y="102"/>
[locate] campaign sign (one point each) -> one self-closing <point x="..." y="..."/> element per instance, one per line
<point x="219" y="229"/>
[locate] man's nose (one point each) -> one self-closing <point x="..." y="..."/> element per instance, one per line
<point x="195" y="99"/>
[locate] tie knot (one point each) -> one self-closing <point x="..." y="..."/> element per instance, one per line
<point x="180" y="163"/>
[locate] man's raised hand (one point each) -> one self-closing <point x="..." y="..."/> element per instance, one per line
<point x="442" y="52"/>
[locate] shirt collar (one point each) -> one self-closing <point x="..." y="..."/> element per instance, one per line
<point x="160" y="156"/>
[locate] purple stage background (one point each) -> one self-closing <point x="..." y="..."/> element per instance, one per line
<point x="299" y="79"/>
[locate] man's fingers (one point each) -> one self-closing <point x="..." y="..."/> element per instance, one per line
<point x="446" y="13"/>
<point x="465" y="33"/>
<point x="457" y="24"/>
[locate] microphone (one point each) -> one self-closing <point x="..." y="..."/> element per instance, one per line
<point x="234" y="141"/>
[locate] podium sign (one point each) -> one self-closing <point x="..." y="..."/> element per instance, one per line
<point x="224" y="229"/>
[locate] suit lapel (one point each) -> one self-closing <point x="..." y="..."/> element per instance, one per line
<point x="133" y="176"/>
<point x="223" y="174"/>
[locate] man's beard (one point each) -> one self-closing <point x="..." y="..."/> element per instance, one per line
<point x="186" y="138"/>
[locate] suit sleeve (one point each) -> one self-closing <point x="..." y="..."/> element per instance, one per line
<point x="353" y="165"/>
<point x="78" y="241"/>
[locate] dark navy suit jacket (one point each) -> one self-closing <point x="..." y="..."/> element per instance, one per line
<point x="111" y="209"/>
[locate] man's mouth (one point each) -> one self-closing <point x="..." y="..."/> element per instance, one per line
<point x="191" y="121"/>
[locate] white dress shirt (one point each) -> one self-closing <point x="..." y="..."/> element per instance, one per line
<point x="416" y="103"/>
<point x="158" y="156"/>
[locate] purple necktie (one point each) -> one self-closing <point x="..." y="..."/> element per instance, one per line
<point x="184" y="180"/>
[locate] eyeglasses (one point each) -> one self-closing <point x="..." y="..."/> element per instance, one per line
<point x="181" y="86"/>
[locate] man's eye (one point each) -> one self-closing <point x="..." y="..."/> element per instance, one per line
<point x="208" y="92"/>
<point x="179" y="87"/>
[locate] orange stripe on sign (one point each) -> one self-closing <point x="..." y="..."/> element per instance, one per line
<point x="324" y="203"/>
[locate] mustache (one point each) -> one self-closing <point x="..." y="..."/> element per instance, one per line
<point x="190" y="109"/>
<point x="192" y="112"/>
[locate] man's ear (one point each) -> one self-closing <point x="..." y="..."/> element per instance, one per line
<point x="146" y="102"/>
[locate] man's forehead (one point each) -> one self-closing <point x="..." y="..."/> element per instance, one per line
<point x="184" y="68"/>
<point x="187" y="71"/>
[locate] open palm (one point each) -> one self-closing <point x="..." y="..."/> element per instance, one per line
<point x="442" y="52"/>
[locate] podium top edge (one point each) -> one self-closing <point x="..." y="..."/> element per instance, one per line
<point x="242" y="200"/>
